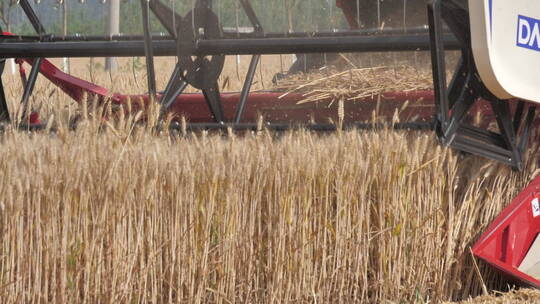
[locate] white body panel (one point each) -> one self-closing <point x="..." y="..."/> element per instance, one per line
<point x="506" y="46"/>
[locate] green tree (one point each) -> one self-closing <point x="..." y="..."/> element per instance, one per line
<point x="6" y="6"/>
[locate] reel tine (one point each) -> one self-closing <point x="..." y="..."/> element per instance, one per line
<point x="248" y="9"/>
<point x="332" y="17"/>
<point x="148" y="50"/>
<point x="213" y="99"/>
<point x="288" y="13"/>
<point x="65" y="61"/>
<point x="404" y="16"/>
<point x="111" y="63"/>
<point x="193" y="5"/>
<point x="174" y="88"/>
<point x="166" y="16"/>
<point x="237" y="19"/>
<point x="247" y="87"/>
<point x="379" y="14"/>
<point x="358" y="14"/>
<point x="32" y="16"/>
<point x="175" y="22"/>
<point x="4" y="110"/>
<point x="30" y="84"/>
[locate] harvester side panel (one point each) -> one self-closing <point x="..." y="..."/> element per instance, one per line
<point x="506" y="46"/>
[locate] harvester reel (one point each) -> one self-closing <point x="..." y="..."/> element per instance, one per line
<point x="201" y="72"/>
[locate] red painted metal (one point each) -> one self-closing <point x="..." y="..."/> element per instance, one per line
<point x="272" y="106"/>
<point x="74" y="87"/>
<point x="507" y="240"/>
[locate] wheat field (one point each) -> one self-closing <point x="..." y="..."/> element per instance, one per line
<point x="117" y="213"/>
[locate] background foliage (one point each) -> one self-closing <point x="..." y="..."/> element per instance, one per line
<point x="91" y="16"/>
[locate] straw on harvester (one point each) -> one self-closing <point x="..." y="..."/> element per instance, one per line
<point x="355" y="83"/>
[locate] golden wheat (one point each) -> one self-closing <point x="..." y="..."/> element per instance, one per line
<point x="116" y="213"/>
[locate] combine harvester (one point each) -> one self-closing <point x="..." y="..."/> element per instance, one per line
<point x="499" y="43"/>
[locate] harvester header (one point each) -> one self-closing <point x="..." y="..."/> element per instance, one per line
<point x="486" y="74"/>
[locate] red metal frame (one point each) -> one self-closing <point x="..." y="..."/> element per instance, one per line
<point x="273" y="106"/>
<point x="507" y="240"/>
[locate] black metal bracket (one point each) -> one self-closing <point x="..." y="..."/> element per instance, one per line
<point x="166" y="16"/>
<point x="246" y="88"/>
<point x="255" y="59"/>
<point x="4" y="111"/>
<point x="148" y="50"/>
<point x="175" y="87"/>
<point x="203" y="71"/>
<point x="30" y="83"/>
<point x="253" y="19"/>
<point x="200" y="72"/>
<point x="453" y="101"/>
<point x="29" y="88"/>
<point x="32" y="16"/>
